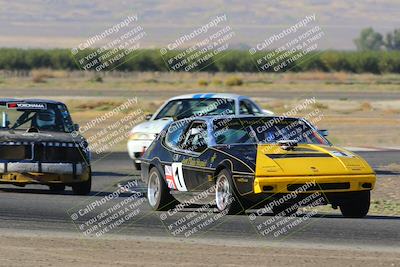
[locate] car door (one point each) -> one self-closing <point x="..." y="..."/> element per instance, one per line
<point x="197" y="175"/>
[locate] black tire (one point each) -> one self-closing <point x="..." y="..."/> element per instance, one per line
<point x="57" y="187"/>
<point x="83" y="188"/>
<point x="158" y="194"/>
<point x="357" y="206"/>
<point x="226" y="197"/>
<point x="136" y="166"/>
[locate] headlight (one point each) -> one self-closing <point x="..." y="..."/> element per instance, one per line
<point x="141" y="136"/>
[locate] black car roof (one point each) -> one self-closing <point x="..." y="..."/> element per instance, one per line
<point x="28" y="100"/>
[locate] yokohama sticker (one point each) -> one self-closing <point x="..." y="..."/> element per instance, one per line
<point x="14" y="105"/>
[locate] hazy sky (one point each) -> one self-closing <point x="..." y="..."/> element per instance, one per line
<point x="61" y="23"/>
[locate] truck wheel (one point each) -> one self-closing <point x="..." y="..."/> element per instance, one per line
<point x="158" y="193"/>
<point x="57" y="187"/>
<point x="83" y="188"/>
<point x="226" y="195"/>
<point x="357" y="206"/>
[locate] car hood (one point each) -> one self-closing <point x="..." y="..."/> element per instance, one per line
<point x="308" y="160"/>
<point x="154" y="126"/>
<point x="22" y="136"/>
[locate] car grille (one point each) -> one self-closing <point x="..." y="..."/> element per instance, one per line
<point x="43" y="151"/>
<point x="15" y="152"/>
<point x="321" y="186"/>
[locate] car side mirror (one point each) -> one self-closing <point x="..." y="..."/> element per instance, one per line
<point x="76" y="127"/>
<point x="323" y="132"/>
<point x="148" y="117"/>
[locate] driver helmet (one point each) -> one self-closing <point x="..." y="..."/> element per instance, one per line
<point x="45" y="118"/>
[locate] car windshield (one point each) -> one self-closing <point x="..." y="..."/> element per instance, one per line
<point x="41" y="116"/>
<point x="184" y="108"/>
<point x="265" y="130"/>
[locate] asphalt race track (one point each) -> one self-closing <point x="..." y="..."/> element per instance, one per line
<point x="36" y="208"/>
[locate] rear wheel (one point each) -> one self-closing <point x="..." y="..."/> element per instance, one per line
<point x="357" y="206"/>
<point x="225" y="195"/>
<point x="158" y="193"/>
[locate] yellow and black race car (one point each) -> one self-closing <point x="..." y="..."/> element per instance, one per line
<point x="252" y="161"/>
<point x="39" y="144"/>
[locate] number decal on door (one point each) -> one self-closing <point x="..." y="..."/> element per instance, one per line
<point x="178" y="176"/>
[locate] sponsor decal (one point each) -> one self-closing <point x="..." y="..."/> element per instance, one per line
<point x="194" y="162"/>
<point x="16" y="105"/>
<point x="242" y="180"/>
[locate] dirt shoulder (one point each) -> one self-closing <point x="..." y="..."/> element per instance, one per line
<point x="39" y="249"/>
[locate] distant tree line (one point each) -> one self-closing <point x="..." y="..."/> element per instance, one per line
<point x="371" y="40"/>
<point x="382" y="61"/>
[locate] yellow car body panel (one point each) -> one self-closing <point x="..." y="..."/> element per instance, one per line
<point x="277" y="169"/>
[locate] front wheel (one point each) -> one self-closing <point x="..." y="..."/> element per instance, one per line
<point x="158" y="193"/>
<point x="357" y="206"/>
<point x="83" y="188"/>
<point x="225" y="195"/>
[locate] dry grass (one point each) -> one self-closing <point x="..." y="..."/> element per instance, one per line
<point x="366" y="106"/>
<point x="234" y="81"/>
<point x="309" y="81"/>
<point x="319" y="105"/>
<point x="40" y="75"/>
<point x="202" y="83"/>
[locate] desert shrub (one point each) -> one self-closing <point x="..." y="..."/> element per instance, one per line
<point x="202" y="82"/>
<point x="40" y="75"/>
<point x="234" y="81"/>
<point x="217" y="82"/>
<point x="96" y="79"/>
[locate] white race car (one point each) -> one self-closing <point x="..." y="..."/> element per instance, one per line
<point x="185" y="106"/>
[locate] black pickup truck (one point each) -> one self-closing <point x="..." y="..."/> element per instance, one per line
<point x="39" y="144"/>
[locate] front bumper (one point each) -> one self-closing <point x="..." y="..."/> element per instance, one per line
<point x="38" y="167"/>
<point x="310" y="184"/>
<point x="136" y="147"/>
<point x="43" y="173"/>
